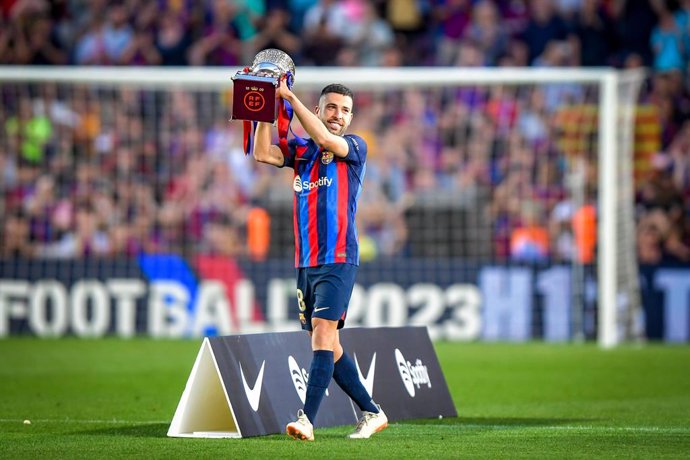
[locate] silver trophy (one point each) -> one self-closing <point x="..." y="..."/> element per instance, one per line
<point x="255" y="86"/>
<point x="272" y="62"/>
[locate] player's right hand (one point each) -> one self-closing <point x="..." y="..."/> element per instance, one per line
<point x="283" y="90"/>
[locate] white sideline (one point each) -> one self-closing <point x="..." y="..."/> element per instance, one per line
<point x="632" y="429"/>
<point x="86" y="422"/>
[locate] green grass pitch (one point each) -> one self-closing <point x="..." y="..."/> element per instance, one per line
<point x="115" y="398"/>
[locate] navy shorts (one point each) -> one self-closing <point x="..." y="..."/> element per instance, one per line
<point x="324" y="292"/>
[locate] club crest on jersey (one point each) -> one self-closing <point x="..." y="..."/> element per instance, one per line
<point x="326" y="157"/>
<point x="297" y="184"/>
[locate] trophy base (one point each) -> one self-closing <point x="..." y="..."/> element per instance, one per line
<point x="254" y="98"/>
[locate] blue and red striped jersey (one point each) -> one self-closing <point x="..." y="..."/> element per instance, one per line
<point x="326" y="188"/>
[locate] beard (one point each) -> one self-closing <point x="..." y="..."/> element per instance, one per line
<point x="334" y="127"/>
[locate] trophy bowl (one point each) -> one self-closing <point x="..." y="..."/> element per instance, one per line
<point x="254" y="88"/>
<point x="272" y="62"/>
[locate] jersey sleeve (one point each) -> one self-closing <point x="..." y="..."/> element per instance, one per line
<point x="357" y="151"/>
<point x="289" y="159"/>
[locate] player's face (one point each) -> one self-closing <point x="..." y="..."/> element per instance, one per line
<point x="335" y="111"/>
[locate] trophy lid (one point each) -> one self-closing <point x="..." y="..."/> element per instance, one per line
<point x="273" y="62"/>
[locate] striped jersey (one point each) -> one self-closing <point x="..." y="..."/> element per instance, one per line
<point x="326" y="189"/>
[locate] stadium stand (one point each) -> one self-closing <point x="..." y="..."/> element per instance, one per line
<point x="74" y="185"/>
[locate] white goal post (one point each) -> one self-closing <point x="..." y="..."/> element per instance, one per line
<point x="618" y="291"/>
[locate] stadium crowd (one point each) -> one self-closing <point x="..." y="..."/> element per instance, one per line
<point x="115" y="171"/>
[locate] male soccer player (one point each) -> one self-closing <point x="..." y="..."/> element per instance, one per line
<point x="328" y="174"/>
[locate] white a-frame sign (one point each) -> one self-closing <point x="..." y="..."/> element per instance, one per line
<point x="204" y="410"/>
<point x="253" y="384"/>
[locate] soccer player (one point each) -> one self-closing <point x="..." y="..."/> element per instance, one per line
<point x="328" y="174"/>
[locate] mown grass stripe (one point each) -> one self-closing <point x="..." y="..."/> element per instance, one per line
<point x="425" y="426"/>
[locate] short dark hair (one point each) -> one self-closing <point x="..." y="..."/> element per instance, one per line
<point x="338" y="89"/>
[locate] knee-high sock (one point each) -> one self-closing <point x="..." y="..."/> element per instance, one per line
<point x="346" y="376"/>
<point x="320" y="375"/>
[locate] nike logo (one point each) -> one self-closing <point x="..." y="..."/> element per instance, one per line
<point x="253" y="394"/>
<point x="316" y="310"/>
<point x="368" y="382"/>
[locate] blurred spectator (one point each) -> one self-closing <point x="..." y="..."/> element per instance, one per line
<point x="328" y="14"/>
<point x="370" y="37"/>
<point x="172" y="39"/>
<point x="141" y="50"/>
<point x="87" y="240"/>
<point x="325" y="31"/>
<point x="276" y="34"/>
<point x="6" y="51"/>
<point x="90" y="48"/>
<point x="222" y="237"/>
<point x="677" y="243"/>
<point x="595" y="32"/>
<point x="543" y="27"/>
<point x="57" y="110"/>
<point x="561" y="232"/>
<point x="248" y="17"/>
<point x="468" y="54"/>
<point x="36" y="43"/>
<point x="558" y="54"/>
<point x="659" y="191"/>
<point x="634" y="20"/>
<point x="451" y="18"/>
<point x="220" y="44"/>
<point x="532" y="120"/>
<point x="664" y="237"/>
<point x="410" y="21"/>
<point x="258" y="234"/>
<point x="298" y="9"/>
<point x="502" y="108"/>
<point x="667" y="43"/>
<point x="682" y="18"/>
<point x="529" y="241"/>
<point x="585" y="232"/>
<point x="517" y="55"/>
<point x="649" y="242"/>
<point x="39" y="206"/>
<point x="679" y="152"/>
<point x="487" y="32"/>
<point x="514" y="15"/>
<point x="16" y="242"/>
<point x="568" y="8"/>
<point x="33" y="131"/>
<point x="8" y="174"/>
<point x="118" y="34"/>
<point x="393" y="57"/>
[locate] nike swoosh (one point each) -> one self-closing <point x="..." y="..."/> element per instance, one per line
<point x="321" y="309"/>
<point x="253" y="394"/>
<point x="368" y="382"/>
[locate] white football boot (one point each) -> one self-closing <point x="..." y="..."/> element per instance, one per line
<point x="301" y="428"/>
<point x="369" y="424"/>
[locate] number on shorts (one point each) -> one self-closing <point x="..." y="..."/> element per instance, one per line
<point x="300" y="300"/>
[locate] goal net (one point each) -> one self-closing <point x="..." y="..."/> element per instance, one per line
<point x="497" y="204"/>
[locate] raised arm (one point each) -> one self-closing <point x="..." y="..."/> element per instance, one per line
<point x="314" y="126"/>
<point x="264" y="151"/>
